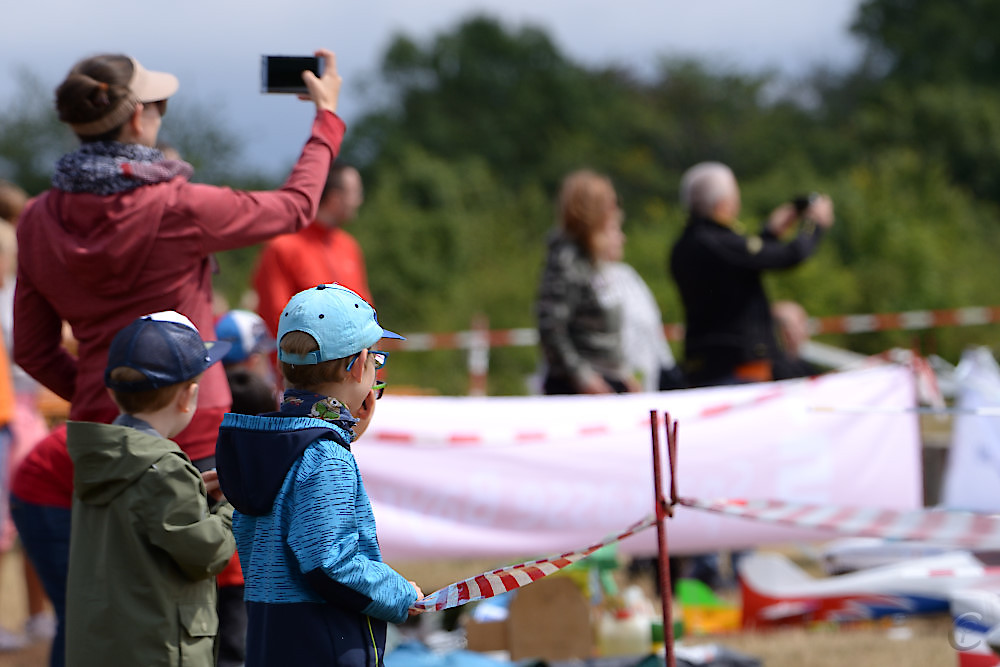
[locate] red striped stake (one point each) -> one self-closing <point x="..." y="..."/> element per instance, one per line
<point x="672" y="459"/>
<point x="662" y="512"/>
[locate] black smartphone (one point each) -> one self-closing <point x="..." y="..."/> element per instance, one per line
<point x="802" y="202"/>
<point x="283" y="74"/>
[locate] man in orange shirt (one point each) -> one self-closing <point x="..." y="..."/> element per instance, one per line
<point x="318" y="254"/>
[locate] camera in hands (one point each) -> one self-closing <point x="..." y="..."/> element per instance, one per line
<point x="803" y="202"/>
<point x="283" y="74"/>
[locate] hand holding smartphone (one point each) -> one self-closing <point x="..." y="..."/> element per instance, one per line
<point x="283" y="74"/>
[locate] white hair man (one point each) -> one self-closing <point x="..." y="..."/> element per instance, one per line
<point x="729" y="332"/>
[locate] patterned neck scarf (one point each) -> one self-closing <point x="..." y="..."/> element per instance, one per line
<point x="298" y="403"/>
<point x="110" y="167"/>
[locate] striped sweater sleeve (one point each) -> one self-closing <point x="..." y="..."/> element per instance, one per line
<point x="327" y="534"/>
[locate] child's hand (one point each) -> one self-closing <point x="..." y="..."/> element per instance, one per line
<point x="211" y="479"/>
<point x="420" y="596"/>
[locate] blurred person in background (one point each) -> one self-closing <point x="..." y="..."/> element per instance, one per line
<point x="649" y="357"/>
<point x="252" y="344"/>
<point x="41" y="498"/>
<point x="792" y="323"/>
<point x="578" y="309"/>
<point x="324" y="252"/>
<point x="729" y="333"/>
<point x="27" y="426"/>
<point x="13" y="199"/>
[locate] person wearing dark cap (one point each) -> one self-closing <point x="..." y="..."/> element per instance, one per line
<point x="317" y="591"/>
<point x="124" y="232"/>
<point x="149" y="532"/>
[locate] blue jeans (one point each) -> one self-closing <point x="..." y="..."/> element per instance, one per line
<point x="44" y="533"/>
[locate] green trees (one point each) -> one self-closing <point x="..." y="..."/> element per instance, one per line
<point x="31" y="137"/>
<point x="484" y="120"/>
<point x="922" y="41"/>
<point x="469" y="133"/>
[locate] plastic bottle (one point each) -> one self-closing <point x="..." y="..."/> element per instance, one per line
<point x="624" y="633"/>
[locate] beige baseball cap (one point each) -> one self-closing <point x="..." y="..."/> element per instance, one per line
<point x="150" y="86"/>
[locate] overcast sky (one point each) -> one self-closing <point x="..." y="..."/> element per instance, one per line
<point x="214" y="46"/>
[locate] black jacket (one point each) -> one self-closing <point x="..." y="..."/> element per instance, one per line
<point x="718" y="272"/>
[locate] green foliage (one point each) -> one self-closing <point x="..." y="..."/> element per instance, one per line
<point x="906" y="239"/>
<point x="31" y="136"/>
<point x="922" y="41"/>
<point x="471" y="131"/>
<point x="932" y="72"/>
<point x="956" y="124"/>
<point x="443" y="245"/>
<point x="505" y="96"/>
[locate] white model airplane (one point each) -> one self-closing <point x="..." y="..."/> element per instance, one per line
<point x="778" y="592"/>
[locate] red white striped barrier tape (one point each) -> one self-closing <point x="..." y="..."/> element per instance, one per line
<point x="960" y="529"/>
<point x="504" y="580"/>
<point x="911" y="320"/>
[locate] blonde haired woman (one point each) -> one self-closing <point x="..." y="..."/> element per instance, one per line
<point x="579" y="327"/>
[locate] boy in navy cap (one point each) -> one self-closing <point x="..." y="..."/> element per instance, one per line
<point x="145" y="540"/>
<point x="317" y="591"/>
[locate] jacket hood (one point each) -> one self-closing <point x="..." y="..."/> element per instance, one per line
<point x="108" y="458"/>
<point x="101" y="238"/>
<point x="254" y="454"/>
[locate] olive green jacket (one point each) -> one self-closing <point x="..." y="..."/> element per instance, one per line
<point x="143" y="551"/>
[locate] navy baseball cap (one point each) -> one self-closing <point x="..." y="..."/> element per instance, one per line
<point x="247" y="334"/>
<point x="340" y="321"/>
<point x="165" y="347"/>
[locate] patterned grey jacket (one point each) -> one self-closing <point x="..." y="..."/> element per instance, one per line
<point x="579" y="331"/>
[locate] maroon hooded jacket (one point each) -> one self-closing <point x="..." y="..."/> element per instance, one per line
<point x="99" y="262"/>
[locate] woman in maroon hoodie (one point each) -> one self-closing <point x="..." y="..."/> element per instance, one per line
<point x="123" y="233"/>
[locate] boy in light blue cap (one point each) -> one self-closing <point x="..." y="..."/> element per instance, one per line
<point x="317" y="591"/>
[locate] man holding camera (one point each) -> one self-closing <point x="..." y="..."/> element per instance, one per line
<point x="729" y="336"/>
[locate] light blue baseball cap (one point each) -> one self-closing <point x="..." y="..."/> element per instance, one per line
<point x="341" y="322"/>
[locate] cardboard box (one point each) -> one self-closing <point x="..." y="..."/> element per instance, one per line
<point x="550" y="619"/>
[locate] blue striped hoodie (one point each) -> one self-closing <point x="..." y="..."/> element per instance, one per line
<point x="317" y="591"/>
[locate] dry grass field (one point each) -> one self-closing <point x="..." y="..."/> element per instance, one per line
<point x="925" y="644"/>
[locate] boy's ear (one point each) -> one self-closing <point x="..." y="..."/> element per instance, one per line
<point x="112" y="395"/>
<point x="358" y="369"/>
<point x="187" y="397"/>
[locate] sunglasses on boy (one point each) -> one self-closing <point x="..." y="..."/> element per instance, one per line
<point x="379" y="356"/>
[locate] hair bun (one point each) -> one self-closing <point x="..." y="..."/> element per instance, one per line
<point x="95" y="98"/>
<point x="99" y="97"/>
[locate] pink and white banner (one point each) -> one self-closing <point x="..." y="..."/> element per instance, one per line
<point x="512" y="477"/>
